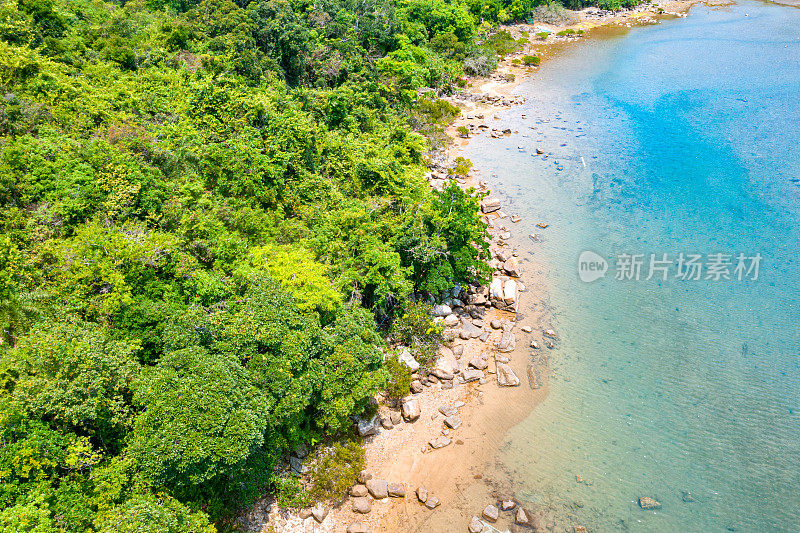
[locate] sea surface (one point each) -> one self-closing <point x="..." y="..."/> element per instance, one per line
<point x="681" y="137"/>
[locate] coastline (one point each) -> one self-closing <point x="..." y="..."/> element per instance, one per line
<point x="464" y="475"/>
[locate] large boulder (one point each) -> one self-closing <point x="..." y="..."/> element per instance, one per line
<point x="319" y="512"/>
<point x="451" y="320"/>
<point x="471" y="330"/>
<point x="410" y="409"/>
<point x="397" y="490"/>
<point x="496" y="289"/>
<point x="505" y="376"/>
<point x="478" y="363"/>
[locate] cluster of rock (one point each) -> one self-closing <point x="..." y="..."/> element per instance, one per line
<point x="491" y="514"/>
<point x="495" y="100"/>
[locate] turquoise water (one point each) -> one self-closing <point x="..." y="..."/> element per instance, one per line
<point x="679" y="137"/>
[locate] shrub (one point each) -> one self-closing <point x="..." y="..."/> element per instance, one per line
<point x="463" y="131"/>
<point x="553" y="14"/>
<point x="516" y="62"/>
<point x="399" y="377"/>
<point x="415" y="328"/>
<point x="334" y="469"/>
<point x="542" y="35"/>
<point x="462" y="166"/>
<point x="480" y="65"/>
<point x="288" y="492"/>
<point x="532" y="60"/>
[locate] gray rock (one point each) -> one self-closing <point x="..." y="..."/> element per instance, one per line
<point x="451" y="320"/>
<point x="411" y="409"/>
<point x="472" y="375"/>
<point x="490" y="205"/>
<point x="422" y="494"/>
<point x="510" y="291"/>
<point x="478" y="363"/>
<point x="446" y="410"/>
<point x="522" y="517"/>
<point x="358" y="491"/>
<point x="359" y="527"/>
<point x="397" y="490"/>
<point x="378" y="488"/>
<point x="498" y="358"/>
<point x="363" y="477"/>
<point x="319" y="512"/>
<point x="491" y="513"/>
<point x="475" y="526"/>
<point x="470" y="329"/>
<point x="296" y="464"/>
<point x="361" y="505"/>
<point x="368" y="427"/>
<point x="439" y="442"/>
<point x="647" y="503"/>
<point x="395" y="417"/>
<point x="386" y="422"/>
<point x="511" y="266"/>
<point x="416" y="386"/>
<point x="442" y="310"/>
<point x="442" y="374"/>
<point x="407" y="359"/>
<point x="432" y="502"/>
<point x="458" y="350"/>
<point x="484" y="336"/>
<point x="505" y="376"/>
<point x="453" y="421"/>
<point x="496" y="324"/>
<point x="507" y="342"/>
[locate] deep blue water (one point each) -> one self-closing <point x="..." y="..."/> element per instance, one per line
<point x="679" y="137"/>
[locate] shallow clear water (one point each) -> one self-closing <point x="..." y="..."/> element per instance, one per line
<point x="679" y="137"/>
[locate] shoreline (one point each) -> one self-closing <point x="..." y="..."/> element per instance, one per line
<point x="463" y="475"/>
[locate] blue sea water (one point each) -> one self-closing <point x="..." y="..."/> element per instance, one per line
<point x="683" y="137"/>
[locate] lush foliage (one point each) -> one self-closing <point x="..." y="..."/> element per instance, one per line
<point x="207" y="209"/>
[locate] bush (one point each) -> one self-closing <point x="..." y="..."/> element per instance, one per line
<point x="399" y="377"/>
<point x="463" y="131"/>
<point x="334" y="469"/>
<point x="462" y="166"/>
<point x="503" y="43"/>
<point x="288" y="492"/>
<point x="480" y="65"/>
<point x="543" y="35"/>
<point x="554" y="14"/>
<point x="532" y="60"/>
<point x="414" y="327"/>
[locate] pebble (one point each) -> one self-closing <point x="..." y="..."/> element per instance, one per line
<point x="491" y="513"/>
<point x="378" y="488"/>
<point x="361" y="505"/>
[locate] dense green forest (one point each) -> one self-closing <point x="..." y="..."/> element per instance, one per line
<point x="211" y="213"/>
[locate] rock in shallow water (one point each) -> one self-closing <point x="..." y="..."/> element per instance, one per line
<point x="506" y="376"/>
<point x="647" y="503"/>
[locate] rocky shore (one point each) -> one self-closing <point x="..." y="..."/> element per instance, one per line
<point x="430" y="456"/>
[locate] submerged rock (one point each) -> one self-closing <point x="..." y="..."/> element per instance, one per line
<point x="647" y="503"/>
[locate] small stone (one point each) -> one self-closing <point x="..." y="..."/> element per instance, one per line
<point x="647" y="503"/>
<point x="535" y="345"/>
<point x="451" y="320"/>
<point x="416" y="386"/>
<point x="526" y="329"/>
<point x="458" y="350"/>
<point x="361" y="505"/>
<point x="478" y="363"/>
<point x="506" y="376"/>
<point x="411" y="410"/>
<point x="304" y="513"/>
<point x="472" y="375"/>
<point x="522" y="517"/>
<point x="386" y="423"/>
<point x="442" y="310"/>
<point x="507" y="342"/>
<point x="397" y="490"/>
<point x="439" y="442"/>
<point x="319" y="512"/>
<point x="512" y="268"/>
<point x="359" y="527"/>
<point x="363" y="477"/>
<point x="432" y="502"/>
<point x="446" y="410"/>
<point x="442" y="374"/>
<point x="358" y="491"/>
<point x="378" y="488"/>
<point x="491" y="513"/>
<point x="507" y="505"/>
<point x="491" y="205"/>
<point x="475" y="526"/>
<point x="496" y="324"/>
<point x="422" y="494"/>
<point x="453" y="422"/>
<point x="579" y="529"/>
<point x="395" y="417"/>
<point x="550" y="333"/>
